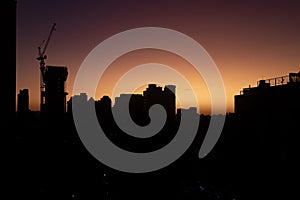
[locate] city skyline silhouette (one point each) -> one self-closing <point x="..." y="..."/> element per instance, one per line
<point x="246" y="42"/>
<point x="255" y="47"/>
<point x="250" y="141"/>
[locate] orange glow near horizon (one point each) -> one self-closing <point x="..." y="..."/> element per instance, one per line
<point x="247" y="41"/>
<point x="135" y="58"/>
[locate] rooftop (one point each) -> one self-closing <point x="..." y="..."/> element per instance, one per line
<point x="292" y="78"/>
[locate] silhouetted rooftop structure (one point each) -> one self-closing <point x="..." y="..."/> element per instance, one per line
<point x="274" y="95"/>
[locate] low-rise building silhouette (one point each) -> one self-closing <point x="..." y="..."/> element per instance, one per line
<point x="23" y="101"/>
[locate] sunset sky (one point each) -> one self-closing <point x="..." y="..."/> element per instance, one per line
<point x="248" y="40"/>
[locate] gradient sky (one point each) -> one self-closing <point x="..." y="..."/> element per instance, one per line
<point x="248" y="40"/>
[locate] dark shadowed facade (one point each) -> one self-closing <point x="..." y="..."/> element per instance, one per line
<point x="269" y="117"/>
<point x="54" y="97"/>
<point x="8" y="81"/>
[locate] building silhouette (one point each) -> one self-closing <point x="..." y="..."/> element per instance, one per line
<point x="23" y="101"/>
<point x="53" y="99"/>
<point x="280" y="95"/>
<point x="165" y="97"/>
<point x="103" y="108"/>
<point x="140" y="104"/>
<point x="268" y="117"/>
<point x="82" y="97"/>
<point x="135" y="104"/>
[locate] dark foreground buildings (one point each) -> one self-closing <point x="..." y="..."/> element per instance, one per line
<point x="269" y="117"/>
<point x="251" y="160"/>
<point x="140" y="104"/>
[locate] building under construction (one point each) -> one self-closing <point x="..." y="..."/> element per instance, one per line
<point x="53" y="97"/>
<point x="53" y="79"/>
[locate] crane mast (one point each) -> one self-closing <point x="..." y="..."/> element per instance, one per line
<point x="42" y="57"/>
<point x="41" y="53"/>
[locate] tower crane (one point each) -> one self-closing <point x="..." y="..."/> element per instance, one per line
<point x="41" y="52"/>
<point x="42" y="57"/>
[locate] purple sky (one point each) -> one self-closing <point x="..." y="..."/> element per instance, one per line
<point x="246" y="39"/>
